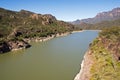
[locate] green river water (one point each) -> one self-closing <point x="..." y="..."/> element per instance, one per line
<point x="56" y="59"/>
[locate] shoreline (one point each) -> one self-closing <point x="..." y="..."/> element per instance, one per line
<point x="25" y="43"/>
<point x="77" y="31"/>
<point x="19" y="45"/>
<point x="43" y="39"/>
<point x="93" y="30"/>
<point x="84" y="73"/>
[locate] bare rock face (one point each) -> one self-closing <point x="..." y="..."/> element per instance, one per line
<point x="115" y="13"/>
<point x="35" y="16"/>
<point x="49" y="16"/>
<point x="44" y="19"/>
<point x="0" y="17"/>
<point x="113" y="47"/>
<point x="48" y="19"/>
<point x="16" y="45"/>
<point x="13" y="45"/>
<point x="4" y="47"/>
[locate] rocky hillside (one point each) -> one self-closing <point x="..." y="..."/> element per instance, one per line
<point x="102" y="61"/>
<point x="75" y="22"/>
<point x="101" y="20"/>
<point x="16" y="26"/>
<point x="104" y="16"/>
<point x="100" y="25"/>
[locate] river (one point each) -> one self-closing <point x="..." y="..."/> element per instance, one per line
<point x="56" y="59"/>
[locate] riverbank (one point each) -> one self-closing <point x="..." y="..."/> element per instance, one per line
<point x="102" y="60"/>
<point x="86" y="64"/>
<point x="14" y="45"/>
<point x="25" y="43"/>
<point x="42" y="39"/>
<point x="77" y="31"/>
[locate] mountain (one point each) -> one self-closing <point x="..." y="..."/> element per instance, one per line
<point x="104" y="16"/>
<point x="100" y="25"/>
<point x="15" y="27"/>
<point x="27" y="23"/>
<point x="76" y="22"/>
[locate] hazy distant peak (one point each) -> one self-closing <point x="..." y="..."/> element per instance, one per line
<point x="103" y="16"/>
<point x="116" y="9"/>
<point x="76" y="22"/>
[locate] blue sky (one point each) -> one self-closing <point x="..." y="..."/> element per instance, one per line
<point x="67" y="10"/>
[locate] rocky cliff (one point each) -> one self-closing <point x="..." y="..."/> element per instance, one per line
<point x="114" y="14"/>
<point x="13" y="45"/>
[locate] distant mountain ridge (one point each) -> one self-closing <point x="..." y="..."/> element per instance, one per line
<point x="76" y="22"/>
<point x="100" y="25"/>
<point x="114" y="14"/>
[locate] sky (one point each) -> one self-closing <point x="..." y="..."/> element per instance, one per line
<point x="66" y="10"/>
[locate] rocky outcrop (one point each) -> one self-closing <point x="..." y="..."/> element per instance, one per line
<point x="4" y="47"/>
<point x="34" y="16"/>
<point x="112" y="47"/>
<point x="13" y="45"/>
<point x="16" y="45"/>
<point x="48" y="19"/>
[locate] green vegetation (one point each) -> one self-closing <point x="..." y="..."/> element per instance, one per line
<point x="112" y="33"/>
<point x="26" y="24"/>
<point x="106" y="55"/>
<point x="16" y="26"/>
